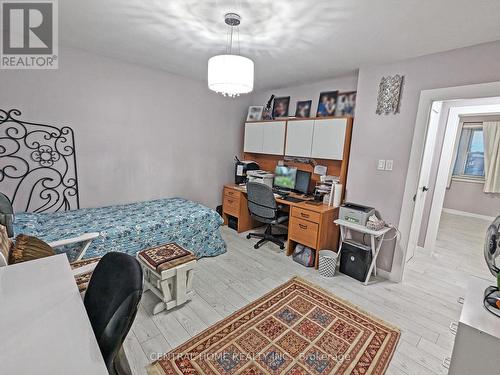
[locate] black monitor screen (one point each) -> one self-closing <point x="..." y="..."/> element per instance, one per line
<point x="302" y="181"/>
<point x="284" y="177"/>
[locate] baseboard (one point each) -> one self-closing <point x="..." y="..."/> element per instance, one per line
<point x="384" y="274"/>
<point x="468" y="214"/>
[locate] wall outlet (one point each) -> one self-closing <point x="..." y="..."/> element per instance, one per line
<point x="381" y="165"/>
<point x="389" y="164"/>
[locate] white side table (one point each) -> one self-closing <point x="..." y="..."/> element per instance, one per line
<point x="376" y="239"/>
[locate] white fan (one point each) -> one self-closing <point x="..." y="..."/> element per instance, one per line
<point x="491" y="254"/>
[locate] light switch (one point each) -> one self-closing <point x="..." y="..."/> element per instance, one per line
<point x="389" y="164"/>
<point x="381" y="165"/>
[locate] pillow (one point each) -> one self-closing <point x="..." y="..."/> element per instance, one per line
<point x="29" y="248"/>
<point x="5" y="246"/>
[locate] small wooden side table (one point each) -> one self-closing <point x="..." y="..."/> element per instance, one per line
<point x="171" y="281"/>
<point x="376" y="239"/>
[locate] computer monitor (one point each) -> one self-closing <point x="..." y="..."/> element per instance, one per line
<point x="284" y="177"/>
<point x="302" y="182"/>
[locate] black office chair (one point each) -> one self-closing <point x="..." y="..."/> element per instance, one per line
<point x="263" y="208"/>
<point x="111" y="300"/>
<point x="6" y="214"/>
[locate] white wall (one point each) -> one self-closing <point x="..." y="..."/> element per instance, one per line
<point x="140" y="133"/>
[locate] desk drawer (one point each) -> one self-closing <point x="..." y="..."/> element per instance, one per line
<point x="305" y="214"/>
<point x="303" y="231"/>
<point x="231" y="205"/>
<point x="232" y="193"/>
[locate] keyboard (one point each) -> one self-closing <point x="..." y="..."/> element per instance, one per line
<point x="293" y="199"/>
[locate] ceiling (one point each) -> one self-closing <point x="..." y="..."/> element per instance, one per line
<point x="291" y="42"/>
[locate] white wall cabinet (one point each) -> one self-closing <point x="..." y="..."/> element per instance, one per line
<point x="328" y="139"/>
<point x="274" y="137"/>
<point x="254" y="135"/>
<point x="265" y="137"/>
<point x="311" y="138"/>
<point x="299" y="138"/>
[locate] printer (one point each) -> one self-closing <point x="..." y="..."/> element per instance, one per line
<point x="355" y="213"/>
<point x="262" y="177"/>
<point x="240" y="170"/>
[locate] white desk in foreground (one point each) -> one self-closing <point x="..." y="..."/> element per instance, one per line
<point x="376" y="238"/>
<point x="44" y="327"/>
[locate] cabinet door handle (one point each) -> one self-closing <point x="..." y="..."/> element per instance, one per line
<point x="230" y="201"/>
<point x="302" y="226"/>
<point x="454" y="327"/>
<point x="304" y="215"/>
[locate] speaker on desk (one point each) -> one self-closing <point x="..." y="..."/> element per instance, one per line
<point x="355" y="259"/>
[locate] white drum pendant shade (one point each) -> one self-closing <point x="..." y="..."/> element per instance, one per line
<point x="230" y="75"/>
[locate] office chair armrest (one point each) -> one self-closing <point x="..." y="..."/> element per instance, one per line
<point x="280" y="207"/>
<point x="85" y="239"/>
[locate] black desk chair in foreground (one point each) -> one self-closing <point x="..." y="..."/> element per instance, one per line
<point x="111" y="300"/>
<point x="263" y="208"/>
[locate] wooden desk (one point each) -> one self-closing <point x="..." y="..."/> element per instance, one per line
<point x="309" y="225"/>
<point x="44" y="327"/>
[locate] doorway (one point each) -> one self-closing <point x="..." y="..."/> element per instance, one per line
<point x="436" y="107"/>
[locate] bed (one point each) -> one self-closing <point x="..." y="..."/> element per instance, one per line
<point x="39" y="178"/>
<point x="131" y="227"/>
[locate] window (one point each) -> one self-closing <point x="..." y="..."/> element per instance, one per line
<point x="469" y="163"/>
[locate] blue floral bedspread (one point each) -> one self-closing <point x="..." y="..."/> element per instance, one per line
<point x="130" y="228"/>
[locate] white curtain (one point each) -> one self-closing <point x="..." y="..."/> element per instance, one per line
<point x="491" y="133"/>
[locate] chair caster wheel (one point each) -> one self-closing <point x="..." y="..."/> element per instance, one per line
<point x="282" y="247"/>
<point x="255" y="246"/>
<point x="248" y="236"/>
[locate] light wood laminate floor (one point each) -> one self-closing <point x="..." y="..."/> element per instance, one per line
<point x="422" y="306"/>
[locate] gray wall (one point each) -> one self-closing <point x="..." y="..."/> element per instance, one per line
<point x="140" y="133"/>
<point x="469" y="197"/>
<point x="390" y="136"/>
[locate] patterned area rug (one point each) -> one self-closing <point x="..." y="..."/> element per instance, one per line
<point x="295" y="329"/>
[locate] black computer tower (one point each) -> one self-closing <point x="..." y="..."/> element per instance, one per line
<point x="232" y="222"/>
<point x="355" y="260"/>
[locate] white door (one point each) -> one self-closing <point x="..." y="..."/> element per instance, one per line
<point x="274" y="137"/>
<point x="254" y="132"/>
<point x="328" y="139"/>
<point x="423" y="181"/>
<point x="299" y="136"/>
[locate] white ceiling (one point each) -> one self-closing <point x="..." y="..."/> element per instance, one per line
<point x="290" y="41"/>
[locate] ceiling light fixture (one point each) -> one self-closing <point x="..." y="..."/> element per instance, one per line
<point x="231" y="74"/>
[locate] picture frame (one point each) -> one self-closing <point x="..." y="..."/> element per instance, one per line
<point x="327" y="103"/>
<point x="303" y="109"/>
<point x="280" y="107"/>
<point x="255" y="112"/>
<point x="346" y="103"/>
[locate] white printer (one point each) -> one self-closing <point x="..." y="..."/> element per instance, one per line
<point x="262" y="177"/>
<point x="355" y="213"/>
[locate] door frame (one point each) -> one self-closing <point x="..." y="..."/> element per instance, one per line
<point x="427" y="97"/>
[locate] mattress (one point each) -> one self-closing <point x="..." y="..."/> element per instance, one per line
<point x="129" y="228"/>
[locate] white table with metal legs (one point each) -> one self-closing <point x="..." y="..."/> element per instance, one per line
<point x="376" y="239"/>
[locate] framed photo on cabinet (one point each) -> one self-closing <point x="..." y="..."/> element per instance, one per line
<point x="280" y="107"/>
<point x="327" y="104"/>
<point x="303" y="109"/>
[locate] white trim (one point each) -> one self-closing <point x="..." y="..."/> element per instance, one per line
<point x="484" y="90"/>
<point x="468" y="214"/>
<point x="475" y="180"/>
